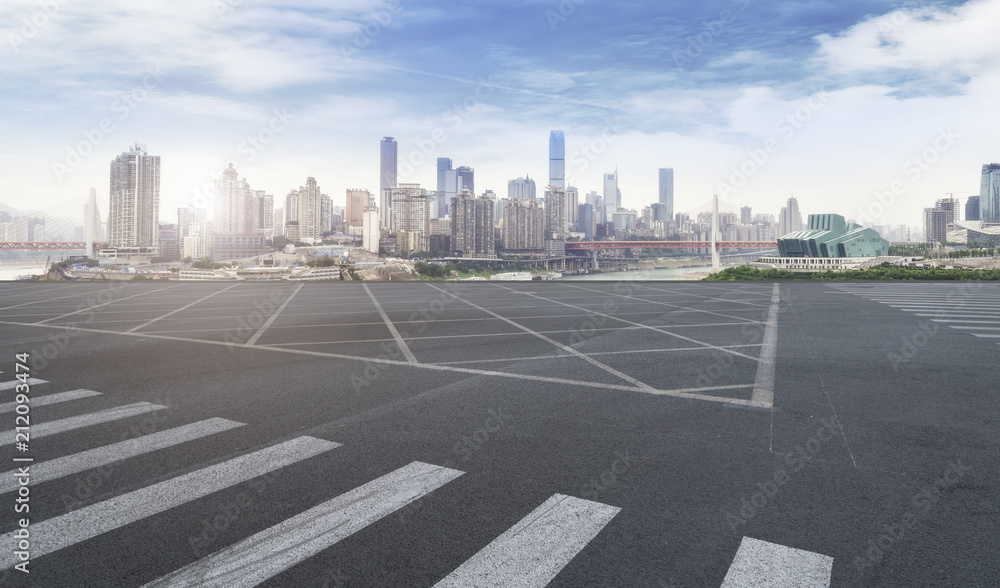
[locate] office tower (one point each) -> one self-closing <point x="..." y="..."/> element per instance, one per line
<point x="523" y="226"/>
<point x="472" y="225"/>
<point x="746" y="215"/>
<point x="370" y="230"/>
<point x="357" y="202"/>
<point x="521" y="188"/>
<point x="586" y="224"/>
<point x="262" y="209"/>
<point x="667" y="189"/>
<point x="790" y="219"/>
<point x="134" y="217"/>
<point x="612" y="195"/>
<point x="989" y="194"/>
<point x="411" y="213"/>
<point x="389" y="153"/>
<point x="465" y="179"/>
<point x="972" y="208"/>
<point x="936" y="224"/>
<point x="557" y="160"/>
<point x="572" y="208"/>
<point x="326" y="214"/>
<point x="443" y="199"/>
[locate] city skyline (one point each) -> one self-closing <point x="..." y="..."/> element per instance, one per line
<point x="849" y="88"/>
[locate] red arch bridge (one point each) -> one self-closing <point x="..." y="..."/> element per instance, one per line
<point x="604" y="245"/>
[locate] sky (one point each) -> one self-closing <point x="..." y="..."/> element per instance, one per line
<point x="870" y="109"/>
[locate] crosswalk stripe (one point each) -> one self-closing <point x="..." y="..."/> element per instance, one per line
<point x="51" y="399"/>
<point x="86" y="420"/>
<point x="102" y="456"/>
<point x="532" y="552"/>
<point x="79" y="525"/>
<point x="759" y="563"/>
<point x="270" y="552"/>
<point x="14" y="383"/>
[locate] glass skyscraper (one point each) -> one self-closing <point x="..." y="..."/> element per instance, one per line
<point x="667" y="190"/>
<point x="388" y="178"/>
<point x="557" y="160"/>
<point x="989" y="194"/>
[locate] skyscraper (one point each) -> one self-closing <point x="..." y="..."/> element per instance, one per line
<point x="790" y="218"/>
<point x="572" y="208"/>
<point x="523" y="226"/>
<point x="411" y="212"/>
<point x="555" y="223"/>
<point x="388" y="176"/>
<point x="134" y="217"/>
<point x="232" y="204"/>
<point x="972" y="208"/>
<point x="667" y="189"/>
<point x="465" y="179"/>
<point x="586" y="224"/>
<point x="357" y="203"/>
<point x="612" y="195"/>
<point x="521" y="188"/>
<point x="989" y="194"/>
<point x="442" y="196"/>
<point x="309" y="211"/>
<point x="746" y="215"/>
<point x="472" y="225"/>
<point x="557" y="159"/>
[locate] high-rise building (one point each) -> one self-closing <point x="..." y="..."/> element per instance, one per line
<point x="186" y="217"/>
<point x="134" y="217"/>
<point x="936" y="224"/>
<point x="279" y="222"/>
<point x="521" y="188"/>
<point x="443" y="199"/>
<point x="557" y="160"/>
<point x="746" y="215"/>
<point x="411" y="212"/>
<point x="233" y="204"/>
<point x="465" y="179"/>
<point x="472" y="225"/>
<point x="586" y="224"/>
<point x="989" y="194"/>
<point x="357" y="202"/>
<point x="388" y="177"/>
<point x="972" y="208"/>
<point x="952" y="206"/>
<point x="262" y="213"/>
<point x="612" y="195"/>
<point x="523" y="226"/>
<point x="310" y="212"/>
<point x="667" y="189"/>
<point x="555" y="222"/>
<point x="326" y="214"/>
<point x="572" y="208"/>
<point x="790" y="218"/>
<point x="370" y="230"/>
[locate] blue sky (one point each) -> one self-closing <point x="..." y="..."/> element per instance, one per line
<point x="827" y="101"/>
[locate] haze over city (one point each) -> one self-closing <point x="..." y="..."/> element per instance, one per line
<point x="844" y="100"/>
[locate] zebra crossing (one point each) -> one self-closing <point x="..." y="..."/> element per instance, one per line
<point x="970" y="307"/>
<point x="529" y="554"/>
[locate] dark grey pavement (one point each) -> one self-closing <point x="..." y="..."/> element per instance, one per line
<point x="593" y="434"/>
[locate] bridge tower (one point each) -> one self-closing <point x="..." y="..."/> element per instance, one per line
<point x="715" y="234"/>
<point x="91" y="223"/>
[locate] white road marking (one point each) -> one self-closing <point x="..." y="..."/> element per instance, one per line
<point x="763" y="388"/>
<point x="271" y="319"/>
<point x="15" y="383"/>
<point x="392" y="328"/>
<point x="759" y="563"/>
<point x="640" y="300"/>
<point x="112" y="301"/>
<point x="102" y="456"/>
<point x="592" y="353"/>
<point x="79" y="525"/>
<point x="51" y="399"/>
<point x="86" y="420"/>
<point x="532" y="552"/>
<point x="132" y="330"/>
<point x="559" y="345"/>
<point x="274" y="550"/>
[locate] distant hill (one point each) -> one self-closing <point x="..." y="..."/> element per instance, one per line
<point x="15" y="212"/>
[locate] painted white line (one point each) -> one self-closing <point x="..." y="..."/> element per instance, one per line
<point x="87" y="420"/>
<point x="706" y="298"/>
<point x="268" y="553"/>
<point x="51" y="399"/>
<point x="566" y="348"/>
<point x="55" y="318"/>
<point x="102" y="456"/>
<point x="592" y="353"/>
<point x="965" y="321"/>
<point x="652" y="328"/>
<point x="132" y="330"/>
<point x="270" y="320"/>
<point x="426" y="366"/>
<point x="15" y="383"/>
<point x="759" y="563"/>
<point x="75" y="294"/>
<point x="985" y="336"/>
<point x="763" y="388"/>
<point x="977" y="328"/>
<point x="532" y="552"/>
<point x="955" y="315"/>
<point x="678" y="306"/>
<point x="392" y="328"/>
<point x="88" y="522"/>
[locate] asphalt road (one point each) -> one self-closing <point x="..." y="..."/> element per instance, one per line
<point x="503" y="434"/>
